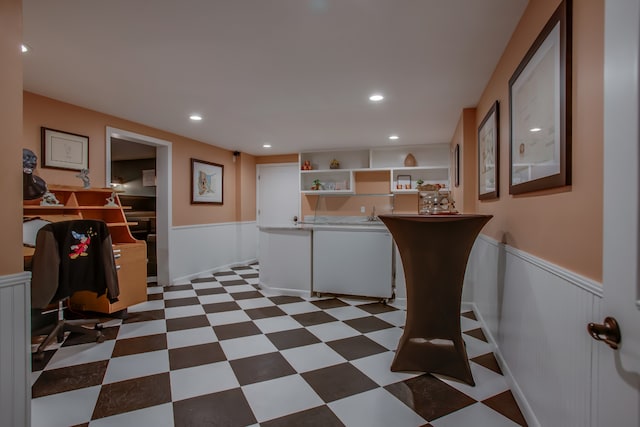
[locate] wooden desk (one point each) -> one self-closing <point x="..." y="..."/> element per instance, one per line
<point x="434" y="251"/>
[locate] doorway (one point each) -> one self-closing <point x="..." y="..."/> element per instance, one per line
<point x="162" y="193"/>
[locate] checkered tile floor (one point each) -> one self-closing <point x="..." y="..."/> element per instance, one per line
<point x="218" y="352"/>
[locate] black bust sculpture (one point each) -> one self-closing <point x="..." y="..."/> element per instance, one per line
<point x="33" y="187"/>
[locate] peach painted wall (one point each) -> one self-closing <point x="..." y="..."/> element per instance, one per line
<point x="41" y="111"/>
<point x="247" y="185"/>
<point x="11" y="140"/>
<point x="563" y="226"/>
<point x="277" y="158"/>
<point x="465" y="136"/>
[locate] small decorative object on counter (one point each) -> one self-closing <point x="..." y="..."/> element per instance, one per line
<point x="335" y="164"/>
<point x="111" y="201"/>
<point x="316" y="184"/>
<point x="419" y="183"/>
<point x="49" y="199"/>
<point x="434" y="201"/>
<point x="306" y="165"/>
<point x="410" y="160"/>
<point x="84" y="176"/>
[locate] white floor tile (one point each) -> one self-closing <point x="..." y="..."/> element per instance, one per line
<point x="238" y="348"/>
<point x="332" y="331"/>
<point x="279" y="397"/>
<point x="189" y="337"/>
<point x="136" y="365"/>
<point x="215" y="298"/>
<point x="239" y="288"/>
<point x="227" y="317"/>
<point x="201" y="380"/>
<point x="161" y="415"/>
<point x="247" y="304"/>
<point x="488" y="383"/>
<point x="468" y="324"/>
<point x="151" y="290"/>
<point x="311" y="357"/>
<point x="276" y="324"/>
<point x="64" y="409"/>
<point x="475" y="347"/>
<point x="187" y="293"/>
<point x="476" y="415"/>
<point x="378" y="368"/>
<point x="184" y="311"/>
<point x="298" y="308"/>
<point x="347" y="313"/>
<point x="139" y="329"/>
<point x="396" y="318"/>
<point x="34" y="377"/>
<point x="206" y="285"/>
<point x="374" y="408"/>
<point x="387" y="338"/>
<point x="82" y="353"/>
<point x="146" y="306"/>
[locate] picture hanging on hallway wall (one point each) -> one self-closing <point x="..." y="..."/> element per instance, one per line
<point x="206" y="182"/>
<point x="64" y="150"/>
<point x="540" y="110"/>
<point x="488" y="154"/>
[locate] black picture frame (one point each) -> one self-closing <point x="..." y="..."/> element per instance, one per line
<point x="489" y="154"/>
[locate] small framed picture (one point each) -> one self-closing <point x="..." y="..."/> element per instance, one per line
<point x="64" y="150"/>
<point x="489" y="154"/>
<point x="403" y="182"/>
<point x="206" y="182"/>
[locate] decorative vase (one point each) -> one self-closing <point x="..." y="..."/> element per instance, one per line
<point x="410" y="161"/>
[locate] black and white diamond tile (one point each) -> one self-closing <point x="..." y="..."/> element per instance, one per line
<point x="216" y="351"/>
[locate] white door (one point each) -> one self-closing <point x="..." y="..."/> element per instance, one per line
<point x="278" y="195"/>
<point x="619" y="370"/>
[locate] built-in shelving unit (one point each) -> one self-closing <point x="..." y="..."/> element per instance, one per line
<point x="431" y="166"/>
<point x="130" y="254"/>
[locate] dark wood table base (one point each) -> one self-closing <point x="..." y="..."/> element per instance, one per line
<point x="434" y="251"/>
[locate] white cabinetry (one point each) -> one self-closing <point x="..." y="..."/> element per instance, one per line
<point x="431" y="166"/>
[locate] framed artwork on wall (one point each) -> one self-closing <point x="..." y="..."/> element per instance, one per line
<point x="456" y="166"/>
<point x="64" y="150"/>
<point x="540" y="110"/>
<point x="206" y="182"/>
<point x="489" y="154"/>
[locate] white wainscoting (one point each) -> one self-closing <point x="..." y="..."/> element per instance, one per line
<point x="200" y="249"/>
<point x="15" y="360"/>
<point x="537" y="313"/>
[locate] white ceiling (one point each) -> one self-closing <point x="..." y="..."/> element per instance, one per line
<point x="294" y="73"/>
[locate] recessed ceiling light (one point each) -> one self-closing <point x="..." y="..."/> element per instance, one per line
<point x="266" y="145"/>
<point x="376" y="97"/>
<point x="535" y="130"/>
<point x="393" y="137"/>
<point x="195" y="117"/>
<point x="24" y="48"/>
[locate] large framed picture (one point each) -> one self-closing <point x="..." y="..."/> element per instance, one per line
<point x="540" y="110"/>
<point x="206" y="182"/>
<point x="489" y="154"/>
<point x="64" y="150"/>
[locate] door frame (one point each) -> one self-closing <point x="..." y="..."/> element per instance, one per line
<point x="163" y="193"/>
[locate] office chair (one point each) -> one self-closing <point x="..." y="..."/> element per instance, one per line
<point x="72" y="256"/>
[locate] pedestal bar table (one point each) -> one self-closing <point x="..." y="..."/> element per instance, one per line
<point x="434" y="251"/>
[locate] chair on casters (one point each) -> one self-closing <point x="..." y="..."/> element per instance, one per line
<point x="72" y="256"/>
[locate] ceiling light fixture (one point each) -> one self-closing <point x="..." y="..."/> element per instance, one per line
<point x="535" y="130"/>
<point x="393" y="137"/>
<point x="376" y="97"/>
<point x="24" y="48"/>
<point x="195" y="117"/>
<point x="266" y="145"/>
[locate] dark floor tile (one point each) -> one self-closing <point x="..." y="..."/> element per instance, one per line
<point x="226" y="408"/>
<point x="233" y="282"/>
<point x="430" y="397"/>
<point x="76" y="338"/>
<point x="202" y="354"/>
<point x="292" y="338"/>
<point x="241" y="267"/>
<point x="204" y="280"/>
<point x="69" y="378"/>
<point x="338" y="381"/>
<point x="477" y="333"/>
<point x="219" y="307"/>
<point x="190" y="322"/>
<point x="181" y="302"/>
<point x="246" y="295"/>
<point x="377" y="308"/>
<point x="224" y="273"/>
<point x="174" y="288"/>
<point x="259" y="368"/>
<point x="250" y="275"/>
<point x="368" y="324"/>
<point x="488" y="361"/>
<point x="469" y="315"/>
<point x="264" y="312"/>
<point x="211" y="291"/>
<point x="356" y="347"/>
<point x="155" y="297"/>
<point x="38" y="364"/>
<point x="129" y="395"/>
<point x="144" y="316"/>
<point x="81" y="425"/>
<point x="329" y="303"/>
<point x="285" y="299"/>
<point x="137" y="345"/>
<point x="320" y="416"/>
<point x="313" y="318"/>
<point x="236" y="330"/>
<point x="505" y="404"/>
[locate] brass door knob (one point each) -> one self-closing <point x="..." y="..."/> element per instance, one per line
<point x="609" y="332"/>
